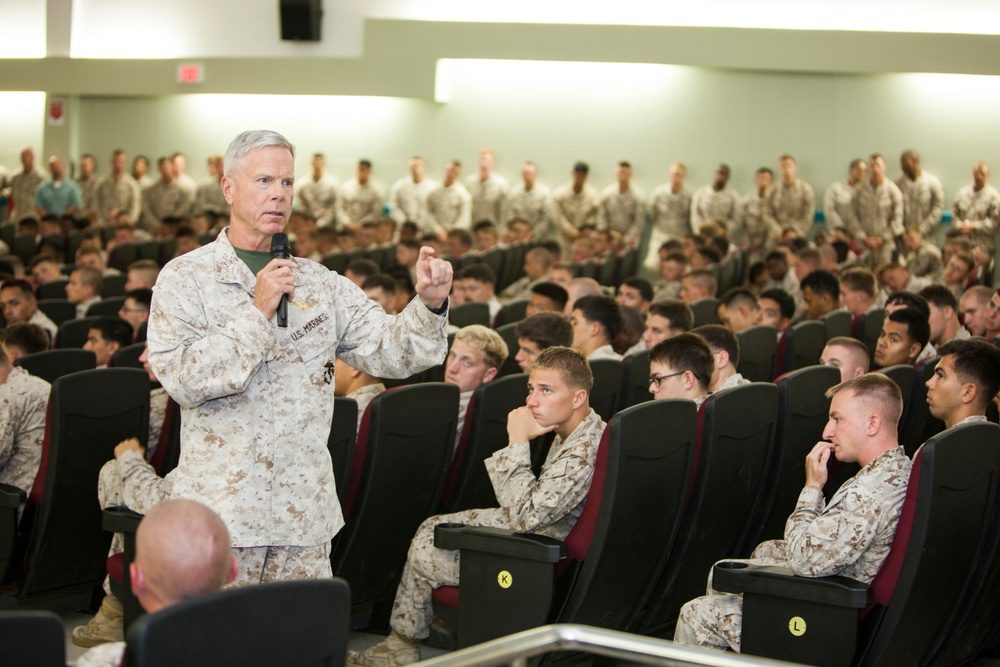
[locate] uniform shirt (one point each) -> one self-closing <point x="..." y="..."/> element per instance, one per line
<point x="22" y="190"/>
<point x="408" y="201"/>
<point x="56" y="197"/>
<point x="670" y="212"/>
<point x="981" y="207"/>
<point x="734" y="380"/>
<point x="551" y="503"/>
<point x="318" y="199"/>
<point x="488" y="197"/>
<point x="359" y="203"/>
<point x="623" y="212"/>
<point x="723" y="206"/>
<point x="24" y="400"/>
<point x="760" y="230"/>
<point x="574" y="209"/>
<point x="926" y="262"/>
<point x="88" y="191"/>
<point x="122" y="193"/>
<point x="604" y="352"/>
<point x="209" y="198"/>
<point x="164" y="200"/>
<point x="534" y="206"/>
<point x="449" y="207"/>
<point x="42" y="320"/>
<point x="256" y="399"/>
<point x="837" y="205"/>
<point x="876" y="211"/>
<point x="923" y="201"/>
<point x="791" y="205"/>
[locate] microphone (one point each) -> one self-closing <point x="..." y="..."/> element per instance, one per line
<point x="280" y="250"/>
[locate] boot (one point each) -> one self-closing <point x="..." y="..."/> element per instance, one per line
<point x="395" y="651"/>
<point x="106" y="626"/>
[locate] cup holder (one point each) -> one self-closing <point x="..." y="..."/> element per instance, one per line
<point x="731" y="565"/>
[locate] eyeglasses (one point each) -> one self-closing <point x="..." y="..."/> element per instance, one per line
<point x="657" y="379"/>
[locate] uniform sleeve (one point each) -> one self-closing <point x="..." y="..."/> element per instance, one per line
<point x="833" y="219"/>
<point x="532" y="503"/>
<point x="142" y="488"/>
<point x="824" y="543"/>
<point x="933" y="218"/>
<point x="9" y="414"/>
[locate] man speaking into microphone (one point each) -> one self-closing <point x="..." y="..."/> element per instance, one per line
<point x="257" y="398"/>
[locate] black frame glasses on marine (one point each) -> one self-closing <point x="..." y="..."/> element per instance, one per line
<point x="657" y="379"/>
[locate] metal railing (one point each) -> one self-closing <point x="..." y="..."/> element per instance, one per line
<point x="517" y="649"/>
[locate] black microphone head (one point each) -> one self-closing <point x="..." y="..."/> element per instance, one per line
<point x="279" y="246"/>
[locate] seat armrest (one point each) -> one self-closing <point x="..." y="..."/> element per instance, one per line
<point x="120" y="520"/>
<point x="11" y="497"/>
<point x="499" y="541"/>
<point x="736" y="577"/>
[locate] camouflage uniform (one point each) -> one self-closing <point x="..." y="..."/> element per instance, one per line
<point x="23" y="403"/>
<point x="724" y="206"/>
<point x="850" y="536"/>
<point x="574" y="210"/>
<point x="791" y="206"/>
<point x="257" y="400"/>
<point x="923" y="201"/>
<point x="209" y="198"/>
<point x="623" y="212"/>
<point x="318" y="199"/>
<point x="876" y="211"/>
<point x="449" y="207"/>
<point x="117" y="193"/>
<point x="22" y="191"/>
<point x="164" y="200"/>
<point x="760" y="231"/>
<point x="837" y="204"/>
<point x="88" y="192"/>
<point x="535" y="206"/>
<point x="464" y="399"/>
<point x="408" y="201"/>
<point x="358" y="203"/>
<point x="670" y="218"/>
<point x="548" y="505"/>
<point x="488" y="197"/>
<point x="981" y="207"/>
<point x="926" y="262"/>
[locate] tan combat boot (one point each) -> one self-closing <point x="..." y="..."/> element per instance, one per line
<point x="106" y="626"/>
<point x="395" y="651"/>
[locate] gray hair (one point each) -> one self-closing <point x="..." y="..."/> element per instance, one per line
<point x="252" y="140"/>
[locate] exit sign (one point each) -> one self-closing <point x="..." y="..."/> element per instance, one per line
<point x="189" y="74"/>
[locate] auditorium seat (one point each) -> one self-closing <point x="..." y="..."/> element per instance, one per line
<point x="24" y="247"/>
<point x="635" y="380"/>
<point x="32" y="639"/>
<point x="803" y="412"/>
<point x="919" y="425"/>
<point x="494" y="258"/>
<point x="106" y="307"/>
<point x="509" y="334"/>
<point x="869" y="328"/>
<point x="838" y="323"/>
<point x="607" y="386"/>
<point x="54" y="289"/>
<point x="511" y="312"/>
<point x="342" y="440"/>
<point x="802" y="346"/>
<point x="706" y="311"/>
<point x="607" y="271"/>
<point x="73" y="333"/>
<point x="58" y="310"/>
<point x="288" y="623"/>
<point x="114" y="286"/>
<point x="484" y="432"/>
<point x="51" y="364"/>
<point x="465" y="314"/>
<point x="128" y="356"/>
<point x="513" y="264"/>
<point x="758" y="350"/>
<point x="397" y="477"/>
<point x="736" y="429"/>
<point x="122" y="255"/>
<point x="903" y="376"/>
<point x="60" y="533"/>
<point x="913" y="600"/>
<point x="613" y="552"/>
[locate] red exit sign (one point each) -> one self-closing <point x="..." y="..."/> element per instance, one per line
<point x="190" y="74"/>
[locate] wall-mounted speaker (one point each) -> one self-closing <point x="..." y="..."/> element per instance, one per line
<point x="301" y="19"/>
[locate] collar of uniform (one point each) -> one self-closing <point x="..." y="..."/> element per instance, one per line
<point x="228" y="267"/>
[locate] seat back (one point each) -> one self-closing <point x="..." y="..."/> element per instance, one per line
<point x="513" y="263"/>
<point x="342" y="440"/>
<point x="108" y="306"/>
<point x="58" y="310"/>
<point x="607" y="270"/>
<point x="54" y="289"/>
<point x="635" y="380"/>
<point x="628" y="264"/>
<point x="73" y="333"/>
<point x="803" y="411"/>
<point x="902" y="375"/>
<point x="512" y="312"/>
<point x="113" y="286"/>
<point x="122" y="255"/>
<point x="870" y="328"/>
<point x="469" y="485"/>
<point x="293" y="623"/>
<point x="758" y="347"/>
<point x="607" y="386"/>
<point x="32" y="639"/>
<point x="706" y="311"/>
<point x="838" y="323"/>
<point x="805" y="345"/>
<point x="737" y="431"/>
<point x="89" y="413"/>
<point x="918" y="425"/>
<point x="509" y="334"/>
<point x="168" y="449"/>
<point x="397" y="478"/>
<point x="632" y="513"/>
<point x="469" y="313"/>
<point x="128" y="356"/>
<point x="51" y="364"/>
<point x="941" y="533"/>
